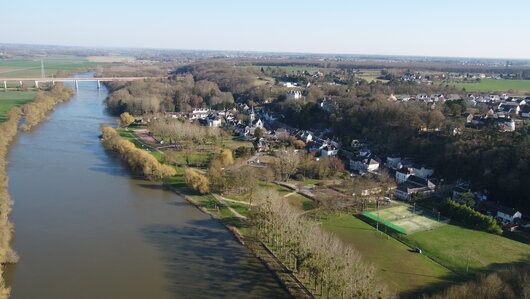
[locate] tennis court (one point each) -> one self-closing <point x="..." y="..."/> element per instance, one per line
<point x="408" y="219"/>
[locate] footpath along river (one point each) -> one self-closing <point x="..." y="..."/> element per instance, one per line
<point x="86" y="228"/>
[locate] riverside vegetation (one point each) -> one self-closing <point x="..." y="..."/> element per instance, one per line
<point x="336" y="272"/>
<point x="319" y="257"/>
<point x="137" y="159"/>
<point x="34" y="112"/>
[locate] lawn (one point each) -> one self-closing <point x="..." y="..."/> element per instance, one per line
<point x="300" y="202"/>
<point x="10" y="99"/>
<point x="490" y="85"/>
<point x="410" y="274"/>
<point x="458" y="248"/>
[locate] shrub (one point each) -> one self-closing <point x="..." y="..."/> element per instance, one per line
<point x="469" y="217"/>
<point x="196" y="181"/>
<point x="137" y="159"/>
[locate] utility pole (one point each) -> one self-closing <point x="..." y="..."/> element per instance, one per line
<point x="42" y="68"/>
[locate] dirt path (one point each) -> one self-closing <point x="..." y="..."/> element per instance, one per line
<point x="289" y="194"/>
<point x="221" y="200"/>
<point x="143" y="134"/>
<point x="236" y="201"/>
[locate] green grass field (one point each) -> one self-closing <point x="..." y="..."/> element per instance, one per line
<point x="31" y="67"/>
<point x="410" y="274"/>
<point x="490" y="85"/>
<point x="10" y="99"/>
<point x="300" y="202"/>
<point x="458" y="248"/>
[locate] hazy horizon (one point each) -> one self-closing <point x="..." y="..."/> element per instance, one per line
<point x="474" y="29"/>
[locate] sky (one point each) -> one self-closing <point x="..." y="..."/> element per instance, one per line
<point x="463" y="28"/>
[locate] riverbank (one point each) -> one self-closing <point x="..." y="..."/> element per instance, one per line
<point x="233" y="221"/>
<point x="131" y="238"/>
<point x="33" y="112"/>
<point x="262" y="252"/>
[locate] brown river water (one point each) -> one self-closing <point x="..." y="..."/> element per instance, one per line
<point x="86" y="228"/>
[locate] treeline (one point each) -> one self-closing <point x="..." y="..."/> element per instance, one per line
<point x="176" y="130"/>
<point x="7" y="255"/>
<point x="334" y="269"/>
<point x="469" y="217"/>
<point x="179" y="93"/>
<point x="489" y="159"/>
<point x="441" y="64"/>
<point x="136" y="158"/>
<point x="513" y="283"/>
<point x="232" y="79"/>
<point x="37" y="110"/>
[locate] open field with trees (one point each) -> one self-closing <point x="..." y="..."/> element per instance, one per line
<point x="54" y="66"/>
<point x="405" y="272"/>
<point x="328" y="266"/>
<point x="508" y="283"/>
<point x="468" y="251"/>
<point x="11" y="99"/>
<point x="490" y="85"/>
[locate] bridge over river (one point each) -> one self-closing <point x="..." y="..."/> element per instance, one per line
<point x="75" y="80"/>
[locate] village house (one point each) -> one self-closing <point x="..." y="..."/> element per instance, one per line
<point x="392" y="161"/>
<point x="405" y="98"/>
<point x="262" y="145"/>
<point x="325" y="104"/>
<point x="289" y="84"/>
<point x="294" y="95"/>
<point x="458" y="191"/>
<point x="402" y="175"/>
<point x="305" y="136"/>
<point x="414" y="185"/>
<point x="214" y="120"/>
<point x="199" y="113"/>
<point x="508" y="215"/>
<point x="329" y="151"/>
<point x="416" y="169"/>
<point x="365" y="162"/>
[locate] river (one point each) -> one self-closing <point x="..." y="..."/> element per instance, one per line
<point x="86" y="228"/>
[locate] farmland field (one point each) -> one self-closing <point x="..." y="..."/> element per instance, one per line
<point x="31" y="67"/>
<point x="410" y="274"/>
<point x="490" y="85"/>
<point x="13" y="98"/>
